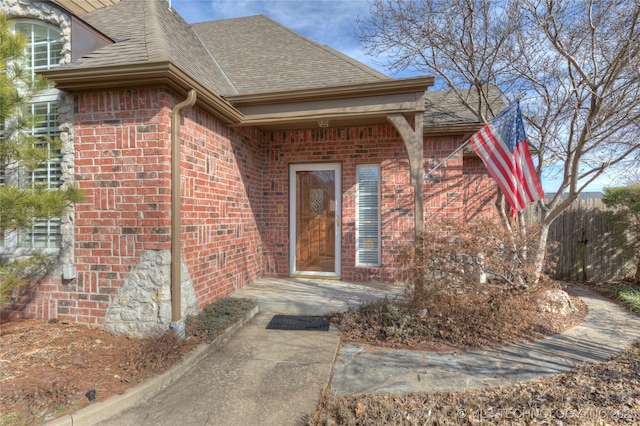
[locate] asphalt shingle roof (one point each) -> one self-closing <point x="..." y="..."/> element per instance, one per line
<point x="260" y="55"/>
<point x="444" y="107"/>
<point x="148" y="31"/>
<point x="240" y="56"/>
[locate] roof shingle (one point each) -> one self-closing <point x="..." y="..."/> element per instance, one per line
<point x="260" y="55"/>
<point x="148" y="31"/>
<point x="445" y="107"/>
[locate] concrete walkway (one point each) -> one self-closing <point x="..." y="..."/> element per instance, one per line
<point x="275" y="377"/>
<point x="605" y="331"/>
<point x="314" y="297"/>
<point x="259" y="377"/>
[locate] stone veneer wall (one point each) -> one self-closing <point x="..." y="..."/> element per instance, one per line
<point x="142" y="306"/>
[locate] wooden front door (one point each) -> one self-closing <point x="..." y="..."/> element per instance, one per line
<point x="315" y="220"/>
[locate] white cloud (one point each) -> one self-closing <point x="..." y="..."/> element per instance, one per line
<point x="327" y="22"/>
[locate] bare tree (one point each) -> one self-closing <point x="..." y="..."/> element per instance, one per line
<point x="631" y="175"/>
<point x="575" y="63"/>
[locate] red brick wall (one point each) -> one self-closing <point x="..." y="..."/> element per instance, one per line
<point x="234" y="181"/>
<point x="461" y="187"/>
<point x="221" y="203"/>
<point x="122" y="162"/>
<point x="450" y="193"/>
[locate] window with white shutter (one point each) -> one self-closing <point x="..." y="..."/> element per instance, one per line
<point x="44" y="48"/>
<point x="43" y="51"/>
<point x="367" y="215"/>
<point x="45" y="233"/>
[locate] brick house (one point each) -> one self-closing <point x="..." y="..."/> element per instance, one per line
<point x="237" y="149"/>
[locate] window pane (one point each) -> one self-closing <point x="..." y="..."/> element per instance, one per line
<point x="44" y="233"/>
<point x="40" y="34"/>
<point x="40" y="56"/>
<point x="24" y="30"/>
<point x="56" y="54"/>
<point x="44" y="49"/>
<point x="368" y="215"/>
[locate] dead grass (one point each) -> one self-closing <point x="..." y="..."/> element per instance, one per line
<point x="595" y="394"/>
<point x="47" y="368"/>
<point x="467" y="320"/>
<point x="604" y="393"/>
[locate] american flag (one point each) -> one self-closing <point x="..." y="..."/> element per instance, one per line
<point x="502" y="146"/>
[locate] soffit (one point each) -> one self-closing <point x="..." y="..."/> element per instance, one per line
<point x="259" y="55"/>
<point x="81" y="7"/>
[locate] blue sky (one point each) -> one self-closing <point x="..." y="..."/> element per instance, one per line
<point x="330" y="22"/>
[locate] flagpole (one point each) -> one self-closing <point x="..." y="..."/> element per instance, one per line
<point x="426" y="175"/>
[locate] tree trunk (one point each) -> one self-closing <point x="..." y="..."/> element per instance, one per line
<point x="541" y="250"/>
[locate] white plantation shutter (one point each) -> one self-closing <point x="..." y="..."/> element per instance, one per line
<point x="43" y="51"/>
<point x="367" y="215"/>
<point x="45" y="233"/>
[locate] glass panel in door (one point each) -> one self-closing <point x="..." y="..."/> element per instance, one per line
<point x="316" y="228"/>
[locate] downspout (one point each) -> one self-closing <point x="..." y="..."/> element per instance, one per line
<point x="176" y="277"/>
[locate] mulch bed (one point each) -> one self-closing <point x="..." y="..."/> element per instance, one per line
<point x="46" y="369"/>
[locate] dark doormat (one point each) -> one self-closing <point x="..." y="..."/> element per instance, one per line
<point x="298" y="322"/>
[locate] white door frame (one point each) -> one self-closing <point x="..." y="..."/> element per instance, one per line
<point x="293" y="168"/>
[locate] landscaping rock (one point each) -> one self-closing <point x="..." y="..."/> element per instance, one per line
<point x="557" y="301"/>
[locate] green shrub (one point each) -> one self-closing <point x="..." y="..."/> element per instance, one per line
<point x="629" y="295"/>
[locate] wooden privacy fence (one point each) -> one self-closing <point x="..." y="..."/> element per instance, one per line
<point x="588" y="246"/>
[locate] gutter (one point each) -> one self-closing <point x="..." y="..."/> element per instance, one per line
<point x="348" y="91"/>
<point x="176" y="276"/>
<point x="78" y="79"/>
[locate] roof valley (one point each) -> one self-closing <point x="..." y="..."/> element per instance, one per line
<point x="213" y="58"/>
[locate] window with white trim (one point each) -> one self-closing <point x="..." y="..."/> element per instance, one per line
<point x="367" y="215"/>
<point x="44" y="233"/>
<point x="44" y="48"/>
<point x="43" y="51"/>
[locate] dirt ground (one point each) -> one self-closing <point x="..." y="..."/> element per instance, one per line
<point x="47" y="369"/>
<point x="599" y="394"/>
<point x="458" y="322"/>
